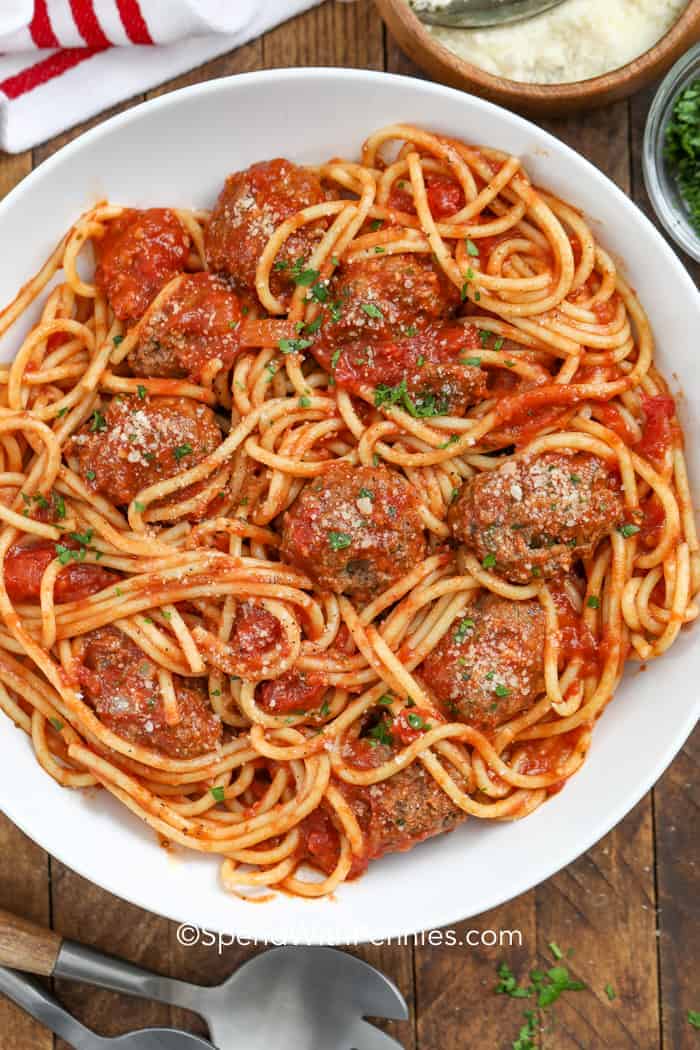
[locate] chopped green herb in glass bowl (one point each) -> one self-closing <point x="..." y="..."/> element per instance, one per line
<point x="671" y="156"/>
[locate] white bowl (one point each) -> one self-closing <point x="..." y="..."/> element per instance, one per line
<point x="176" y="150"/>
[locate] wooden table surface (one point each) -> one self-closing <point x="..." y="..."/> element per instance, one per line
<point x="629" y="908"/>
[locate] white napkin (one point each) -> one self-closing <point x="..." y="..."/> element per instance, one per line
<point x="63" y="61"/>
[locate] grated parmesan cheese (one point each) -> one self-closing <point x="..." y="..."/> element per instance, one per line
<point x="576" y="41"/>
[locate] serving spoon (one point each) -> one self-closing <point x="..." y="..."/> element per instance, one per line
<point x="473" y="14"/>
<point x="291" y="998"/>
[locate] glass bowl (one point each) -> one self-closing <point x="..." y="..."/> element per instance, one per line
<point x="658" y="176"/>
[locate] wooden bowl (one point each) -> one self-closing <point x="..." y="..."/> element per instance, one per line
<point x="538" y="99"/>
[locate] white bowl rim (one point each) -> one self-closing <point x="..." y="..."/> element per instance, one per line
<point x="434" y="916"/>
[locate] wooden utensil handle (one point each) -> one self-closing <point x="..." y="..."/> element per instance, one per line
<point x="25" y="946"/>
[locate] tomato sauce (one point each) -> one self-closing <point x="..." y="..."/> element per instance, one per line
<point x="25" y="566"/>
<point x="445" y="196"/>
<point x="576" y="640"/>
<point x="411" y="724"/>
<point x="652" y="525"/>
<point x="659" y="430"/>
<point x="294" y="691"/>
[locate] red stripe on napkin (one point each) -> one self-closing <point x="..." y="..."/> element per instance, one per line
<point x="88" y="26"/>
<point x="133" y="21"/>
<point x="40" y="27"/>
<point x="41" y="72"/>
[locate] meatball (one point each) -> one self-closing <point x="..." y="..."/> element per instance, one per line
<point x="433" y="372"/>
<point x="534" y="517"/>
<point x="26" y="563"/>
<point x="490" y="665"/>
<point x="195" y="325"/>
<point x="252" y="204"/>
<point x="354" y="530"/>
<point x="394" y="815"/>
<point x="121" y="683"/>
<point x="139" y="253"/>
<point x="386" y="297"/>
<point x="140" y="441"/>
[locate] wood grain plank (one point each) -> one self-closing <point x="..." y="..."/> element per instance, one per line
<point x="677" y="818"/>
<point x="335" y="34"/>
<point x="24" y="890"/>
<point x="603" y="907"/>
<point x="84" y="912"/>
<point x="455" y="1001"/>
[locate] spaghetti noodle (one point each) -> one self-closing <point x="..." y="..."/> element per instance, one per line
<point x="330" y="517"/>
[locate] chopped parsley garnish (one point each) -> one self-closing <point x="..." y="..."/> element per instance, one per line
<point x="484" y="335"/>
<point x="555" y="950"/>
<point x="498" y="344"/>
<point x="682" y="149"/>
<point x="545" y="988"/>
<point x="180" y="451"/>
<point x="472" y="249"/>
<point x="233" y="325"/>
<point x="489" y="561"/>
<point x="139" y="507"/>
<point x="57" y="724"/>
<point x="141" y="391"/>
<point x="627" y="530"/>
<point x="575" y="479"/>
<point x="302" y="275"/>
<point x="422" y="406"/>
<point x="463" y="629"/>
<point x="62" y="412"/>
<point x="366" y="494"/>
<point x="280" y="265"/>
<point x="313" y="326"/>
<point x="378" y="249"/>
<point x="593" y="601"/>
<point x="385" y="700"/>
<point x="335" y="309"/>
<point x="376" y="225"/>
<point x="304" y="402"/>
<point x="339" y="541"/>
<point x="463" y="292"/>
<point x="334" y="359"/>
<point x="420" y="361"/>
<point x="410" y="331"/>
<point x="59" y="506"/>
<point x="98" y="423"/>
<point x="416" y="722"/>
<point x="475" y="361"/>
<point x="502" y="690"/>
<point x="293" y="346"/>
<point x="217" y="793"/>
<point x="373" y="311"/>
<point x="90" y="475"/>
<point x="381" y="734"/>
<point x="325" y="709"/>
<point x="118" y="339"/>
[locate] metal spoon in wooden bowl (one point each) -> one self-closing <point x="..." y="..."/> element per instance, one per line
<point x="473" y="14"/>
